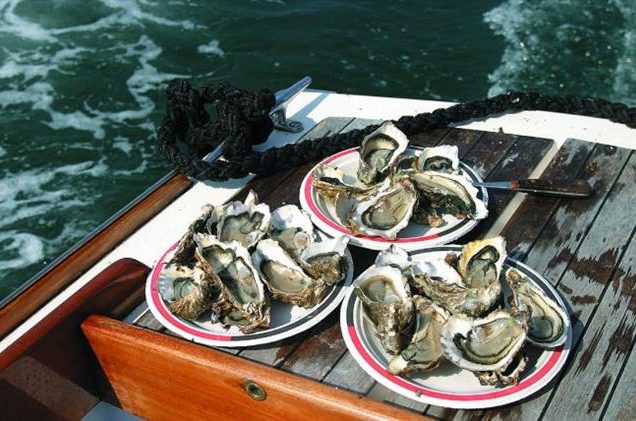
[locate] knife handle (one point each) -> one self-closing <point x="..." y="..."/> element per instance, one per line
<point x="558" y="188"/>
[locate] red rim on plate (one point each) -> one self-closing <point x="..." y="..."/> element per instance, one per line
<point x="548" y="364"/>
<point x="309" y="201"/>
<point x="232" y="337"/>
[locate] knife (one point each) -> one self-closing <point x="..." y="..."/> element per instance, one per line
<point x="557" y="188"/>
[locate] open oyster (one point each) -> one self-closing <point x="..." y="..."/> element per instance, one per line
<point x="379" y="152"/>
<point x="449" y="193"/>
<point x="244" y="222"/>
<point x="439" y="158"/>
<point x="187" y="289"/>
<point x="547" y="323"/>
<point x="330" y="182"/>
<point x="284" y="277"/>
<point x="292" y="228"/>
<point x="243" y="295"/>
<point x="326" y="260"/>
<point x="486" y="344"/>
<point x="386" y="299"/>
<point x="424" y="352"/>
<point x="385" y="213"/>
<point x="474" y="287"/>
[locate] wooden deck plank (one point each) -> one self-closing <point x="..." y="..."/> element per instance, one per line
<point x="463" y="139"/>
<point x="609" y="307"/>
<point x="347" y="374"/>
<point x="382" y="394"/>
<point x="581" y="284"/>
<point x="526" y="223"/>
<point x="622" y="403"/>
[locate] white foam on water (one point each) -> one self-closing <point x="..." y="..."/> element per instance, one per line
<point x="3" y="151"/>
<point x="20" y="249"/>
<point x="11" y="23"/>
<point x="213" y="47"/>
<point x="547" y="40"/>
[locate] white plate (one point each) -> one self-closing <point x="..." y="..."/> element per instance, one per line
<point x="286" y="319"/>
<point x="448" y="385"/>
<point x="413" y="237"/>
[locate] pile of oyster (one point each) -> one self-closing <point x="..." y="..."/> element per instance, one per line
<point x="462" y="309"/>
<point x="231" y="255"/>
<point x="393" y="188"/>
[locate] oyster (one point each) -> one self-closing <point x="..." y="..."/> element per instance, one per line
<point x="439" y="158"/>
<point x="187" y="289"/>
<point x="481" y="261"/>
<point x="243" y="301"/>
<point x="386" y="213"/>
<point x="284" y="278"/>
<point x="379" y="152"/>
<point x="206" y="223"/>
<point x="506" y="375"/>
<point x="547" y="323"/>
<point x="244" y="222"/>
<point x="292" y="228"/>
<point x="386" y="299"/>
<point x="330" y="182"/>
<point x="425" y="214"/>
<point x="449" y="193"/>
<point x="326" y="260"/>
<point x="425" y="350"/>
<point x="394" y="256"/>
<point x="487" y="344"/>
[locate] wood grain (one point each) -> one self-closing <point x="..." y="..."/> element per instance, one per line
<point x="195" y="382"/>
<point x="84" y="255"/>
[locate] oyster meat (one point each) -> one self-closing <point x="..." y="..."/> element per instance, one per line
<point x="439" y="158"/>
<point x="449" y="193"/>
<point x="386" y="300"/>
<point x="244" y="222"/>
<point x="379" y="152"/>
<point x="424" y="352"/>
<point x="292" y="228"/>
<point x="187" y="289"/>
<point x="326" y="260"/>
<point x="284" y="277"/>
<point x="547" y="322"/>
<point x="486" y="344"/>
<point x="386" y="213"/>
<point x="243" y="300"/>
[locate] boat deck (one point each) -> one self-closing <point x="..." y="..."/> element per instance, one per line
<point x="584" y="247"/>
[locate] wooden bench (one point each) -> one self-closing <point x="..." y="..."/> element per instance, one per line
<point x="584" y="247"/>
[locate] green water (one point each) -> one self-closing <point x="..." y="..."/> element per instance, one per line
<point x="81" y="81"/>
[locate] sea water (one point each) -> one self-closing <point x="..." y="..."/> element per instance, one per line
<point x="81" y="82"/>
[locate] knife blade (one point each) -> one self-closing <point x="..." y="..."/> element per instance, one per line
<point x="556" y="188"/>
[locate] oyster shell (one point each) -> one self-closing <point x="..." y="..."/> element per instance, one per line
<point x="292" y="228"/>
<point x="424" y="352"/>
<point x="187" y="289"/>
<point x="326" y="260"/>
<point x="386" y="300"/>
<point x="425" y="214"/>
<point x="449" y="193"/>
<point x="243" y="301"/>
<point x="486" y="344"/>
<point x="379" y="152"/>
<point x="386" y="213"/>
<point x="206" y="223"/>
<point x="439" y="158"/>
<point x="394" y="256"/>
<point x="330" y="182"/>
<point x="548" y="322"/>
<point x="244" y="222"/>
<point x="507" y="375"/>
<point x="481" y="261"/>
<point x="284" y="278"/>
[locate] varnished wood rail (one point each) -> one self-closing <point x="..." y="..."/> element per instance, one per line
<point x="157" y="377"/>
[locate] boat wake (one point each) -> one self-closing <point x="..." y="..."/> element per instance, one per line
<point x="564" y="46"/>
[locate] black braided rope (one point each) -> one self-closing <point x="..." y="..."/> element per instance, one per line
<point x="187" y="133"/>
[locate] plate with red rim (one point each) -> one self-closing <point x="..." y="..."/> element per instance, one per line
<point x="447" y="385"/>
<point x="413" y="237"/>
<point x="287" y="320"/>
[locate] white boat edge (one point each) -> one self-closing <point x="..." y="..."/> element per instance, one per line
<point x="311" y="107"/>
